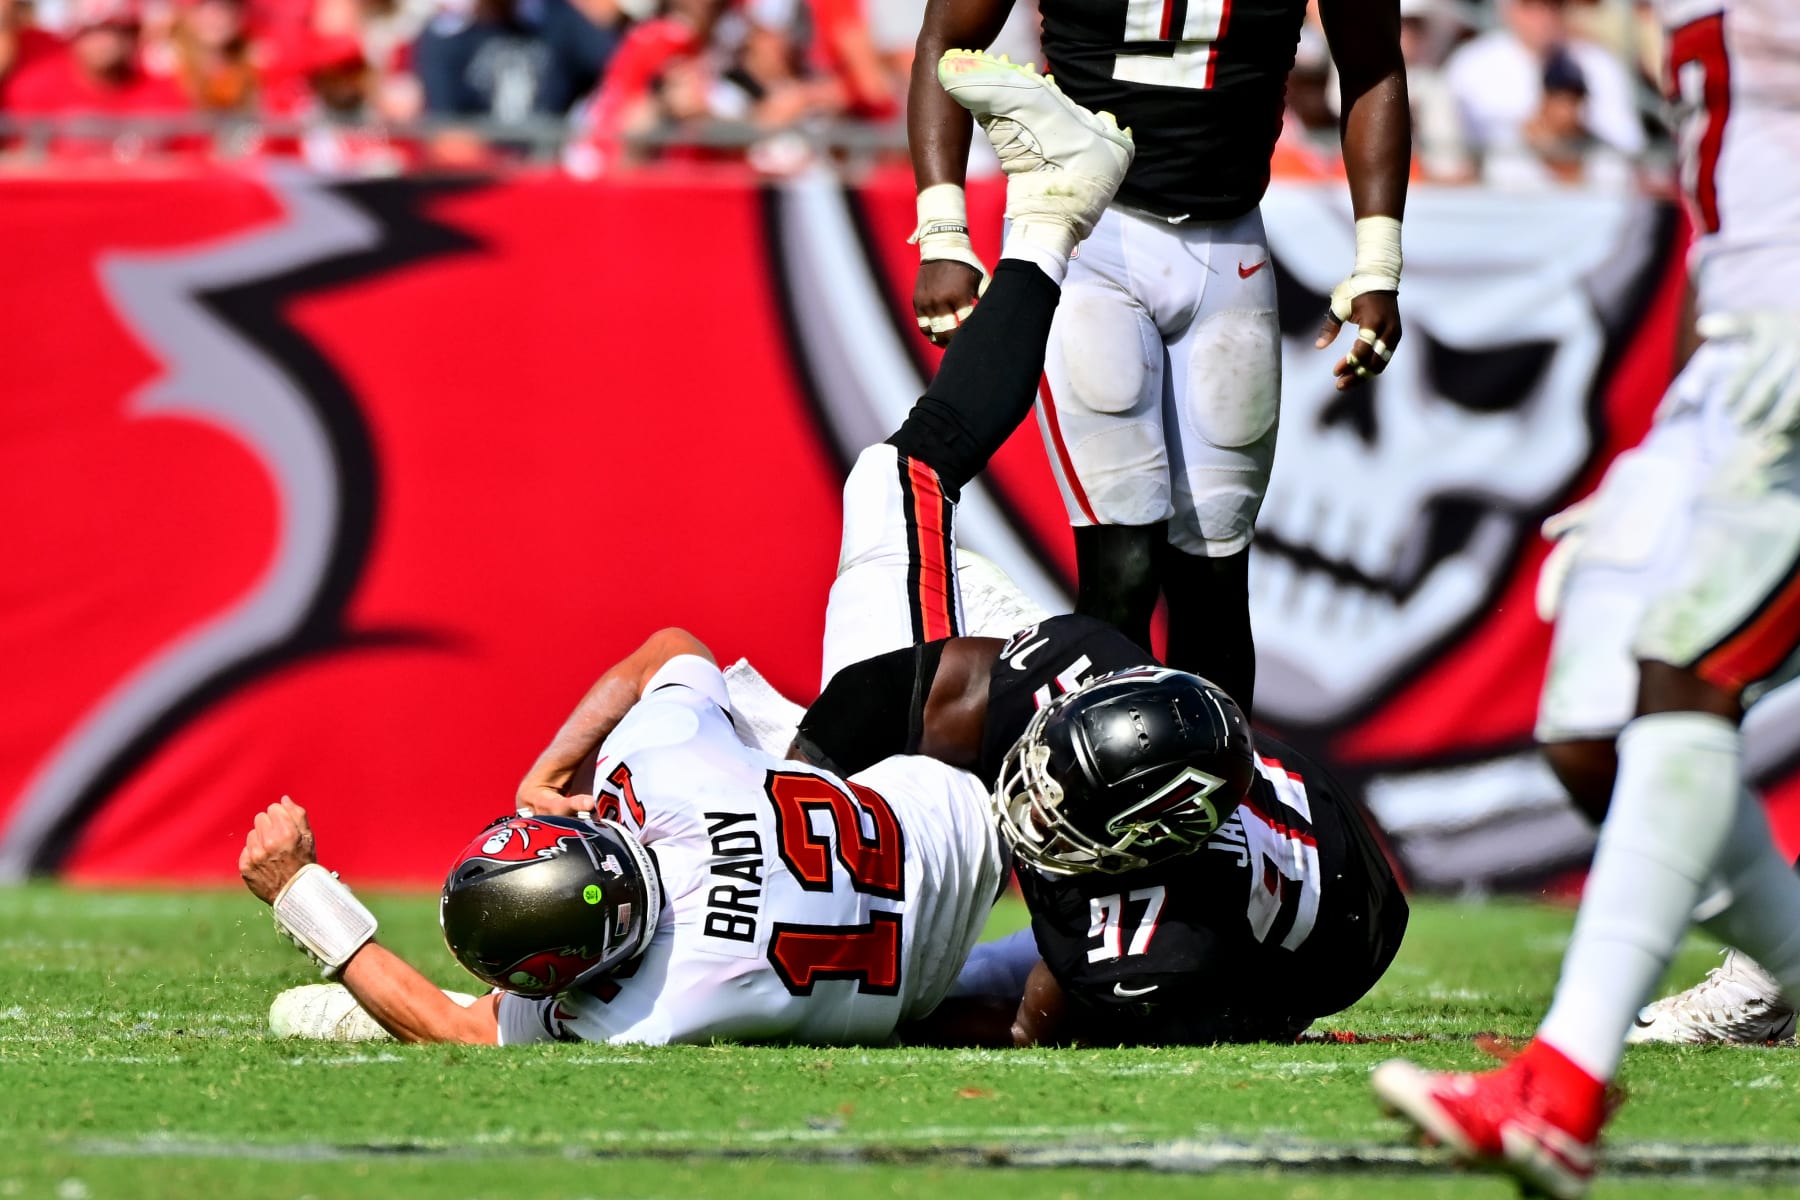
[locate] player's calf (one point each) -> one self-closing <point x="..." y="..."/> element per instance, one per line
<point x="1117" y="566"/>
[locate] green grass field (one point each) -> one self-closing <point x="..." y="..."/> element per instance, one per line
<point x="134" y="1063"/>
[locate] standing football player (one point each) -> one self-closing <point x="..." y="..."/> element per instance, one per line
<point x="1163" y="380"/>
<point x="1680" y="609"/>
<point x="718" y="890"/>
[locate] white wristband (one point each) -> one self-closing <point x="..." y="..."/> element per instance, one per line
<point x="323" y="917"/>
<point x="942" y="234"/>
<point x="1377" y="267"/>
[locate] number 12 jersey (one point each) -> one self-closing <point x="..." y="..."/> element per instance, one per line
<point x="799" y="906"/>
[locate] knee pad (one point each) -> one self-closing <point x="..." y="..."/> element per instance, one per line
<point x="1234" y="377"/>
<point x="1111" y="352"/>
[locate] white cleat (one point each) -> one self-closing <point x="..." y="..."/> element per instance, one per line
<point x="327" y="1012"/>
<point x="1738" y="1002"/>
<point x="1063" y="162"/>
<point x="993" y="604"/>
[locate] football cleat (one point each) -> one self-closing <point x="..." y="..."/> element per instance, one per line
<point x="1737" y="1003"/>
<point x="1063" y="162"/>
<point x="327" y="1012"/>
<point x="1538" y="1117"/>
<point x="994" y="605"/>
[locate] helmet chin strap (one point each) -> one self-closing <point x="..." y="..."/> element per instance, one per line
<point x="653" y="888"/>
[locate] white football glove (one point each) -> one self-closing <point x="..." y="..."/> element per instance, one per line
<point x="1568" y="529"/>
<point x="1763" y="394"/>
<point x="942" y="235"/>
<point x="327" y="1012"/>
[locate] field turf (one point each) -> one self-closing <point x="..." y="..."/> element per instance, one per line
<point x="134" y="1063"/>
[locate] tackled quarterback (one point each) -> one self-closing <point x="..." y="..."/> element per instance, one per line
<point x="1186" y="883"/>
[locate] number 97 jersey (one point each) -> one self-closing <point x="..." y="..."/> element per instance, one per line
<point x="1289" y="912"/>
<point x="1200" y="83"/>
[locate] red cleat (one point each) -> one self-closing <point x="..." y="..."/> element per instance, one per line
<point x="1538" y="1117"/>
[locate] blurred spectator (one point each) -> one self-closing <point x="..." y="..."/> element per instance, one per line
<point x="97" y="70"/>
<point x="1311" y="98"/>
<point x="213" y="58"/>
<point x="1307" y="147"/>
<point x="1556" y="144"/>
<point x="581" y="37"/>
<point x="477" y="59"/>
<point x="1498" y="79"/>
<point x="1440" y="145"/>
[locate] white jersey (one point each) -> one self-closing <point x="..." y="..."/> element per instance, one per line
<point x="798" y="906"/>
<point x="1734" y="68"/>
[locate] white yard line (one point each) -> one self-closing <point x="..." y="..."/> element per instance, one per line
<point x="950" y="1146"/>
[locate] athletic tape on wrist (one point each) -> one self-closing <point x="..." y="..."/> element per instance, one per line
<point x="323" y="917"/>
<point x="1377" y="267"/>
<point x="942" y="234"/>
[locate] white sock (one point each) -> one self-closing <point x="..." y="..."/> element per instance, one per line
<point x="1673" y="805"/>
<point x="1762" y="913"/>
<point x="1044" y="243"/>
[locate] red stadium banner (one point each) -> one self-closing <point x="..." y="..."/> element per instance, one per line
<point x="347" y="490"/>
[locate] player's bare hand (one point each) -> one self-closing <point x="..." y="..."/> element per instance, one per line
<point x="1040" y="1010"/>
<point x="279" y="845"/>
<point x="536" y="800"/>
<point x="1376" y="316"/>
<point x="943" y="297"/>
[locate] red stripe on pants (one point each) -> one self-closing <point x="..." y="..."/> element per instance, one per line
<point x="1758" y="648"/>
<point x="1062" y="451"/>
<point x="937" y="607"/>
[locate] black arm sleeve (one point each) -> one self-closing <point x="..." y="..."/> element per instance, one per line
<point x="871" y="710"/>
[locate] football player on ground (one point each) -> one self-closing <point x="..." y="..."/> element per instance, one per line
<point x="1681" y="608"/>
<point x="1189" y="882"/>
<point x="1163" y="379"/>
<point x="720" y="891"/>
<point x="1186" y="883"/>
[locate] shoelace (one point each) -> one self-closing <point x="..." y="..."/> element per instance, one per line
<point x="1721" y="990"/>
<point x="1014" y="137"/>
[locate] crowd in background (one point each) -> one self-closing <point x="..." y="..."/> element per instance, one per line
<point x="1513" y="91"/>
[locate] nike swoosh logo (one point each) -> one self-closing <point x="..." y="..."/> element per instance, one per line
<point x="1246" y="272"/>
<point x="1126" y="993"/>
<point x="1022" y="655"/>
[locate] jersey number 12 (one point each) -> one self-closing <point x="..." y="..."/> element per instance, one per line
<point x="1191" y="50"/>
<point x="876" y="864"/>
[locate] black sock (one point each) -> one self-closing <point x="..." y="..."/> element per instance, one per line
<point x="988" y="380"/>
<point x="1117" y="566"/>
<point x="1209" y="620"/>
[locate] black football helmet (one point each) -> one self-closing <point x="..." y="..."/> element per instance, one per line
<point x="1133" y="768"/>
<point x="538" y="905"/>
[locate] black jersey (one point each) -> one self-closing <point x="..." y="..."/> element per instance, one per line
<point x="1200" y="83"/>
<point x="1287" y="913"/>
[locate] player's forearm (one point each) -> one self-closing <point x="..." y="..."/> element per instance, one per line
<point x="603" y="707"/>
<point x="1376" y="126"/>
<point x="411" y="1007"/>
<point x="1377" y="133"/>
<point x="938" y="128"/>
